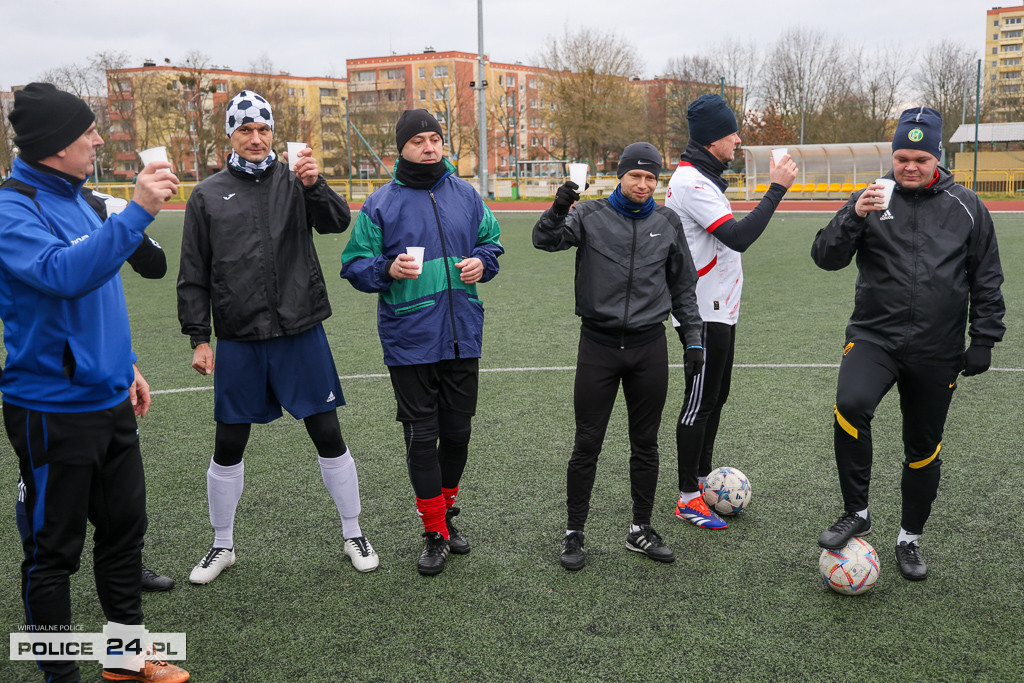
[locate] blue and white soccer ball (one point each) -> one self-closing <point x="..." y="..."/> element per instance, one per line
<point x="727" y="490"/>
<point x="851" y="570"/>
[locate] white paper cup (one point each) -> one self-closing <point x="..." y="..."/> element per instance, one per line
<point x="578" y="175"/>
<point x="417" y="257"/>
<point x="115" y="205"/>
<point x="152" y="154"/>
<point x="889" y="186"/>
<point x="293" y="153"/>
<point x="777" y="155"/>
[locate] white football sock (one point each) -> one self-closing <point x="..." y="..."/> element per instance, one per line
<point x="342" y="483"/>
<point x="907" y="537"/>
<point x="223" y="489"/>
<point x="687" y="496"/>
<point x="863" y="514"/>
<point x="634" y="527"/>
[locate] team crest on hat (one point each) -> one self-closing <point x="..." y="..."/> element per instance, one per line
<point x="916" y="135"/>
<point x="247" y="107"/>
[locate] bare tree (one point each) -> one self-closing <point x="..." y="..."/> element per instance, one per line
<point x="507" y="112"/>
<point x="946" y="82"/>
<point x="88" y="81"/>
<point x="198" y="131"/>
<point x="597" y="113"/>
<point x="879" y="92"/>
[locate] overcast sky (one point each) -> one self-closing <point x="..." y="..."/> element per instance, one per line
<point x="315" y="38"/>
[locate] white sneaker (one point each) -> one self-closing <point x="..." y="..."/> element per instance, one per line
<point x="210" y="567"/>
<point x="364" y="557"/>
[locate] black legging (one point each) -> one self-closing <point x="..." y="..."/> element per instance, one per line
<point x="323" y="429"/>
<point x="643" y="373"/>
<point x="436" y="452"/>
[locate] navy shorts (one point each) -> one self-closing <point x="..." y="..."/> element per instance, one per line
<point x="254" y="380"/>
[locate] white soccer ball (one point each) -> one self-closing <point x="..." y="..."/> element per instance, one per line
<point x="851" y="570"/>
<point x="727" y="490"/>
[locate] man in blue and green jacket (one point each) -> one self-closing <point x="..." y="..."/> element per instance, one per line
<point x="429" y="317"/>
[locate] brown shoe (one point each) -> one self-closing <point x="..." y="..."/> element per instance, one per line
<point x="156" y="671"/>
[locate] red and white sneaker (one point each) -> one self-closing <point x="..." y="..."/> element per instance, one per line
<point x="699" y="514"/>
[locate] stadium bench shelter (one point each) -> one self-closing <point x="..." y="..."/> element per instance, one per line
<point x="825" y="171"/>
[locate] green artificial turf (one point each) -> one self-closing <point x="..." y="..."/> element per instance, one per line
<point x="745" y="604"/>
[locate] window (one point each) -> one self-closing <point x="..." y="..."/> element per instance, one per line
<point x="366" y="76"/>
<point x="1012" y="20"/>
<point x="293" y="110"/>
<point x="994" y="50"/>
<point x="511" y="81"/>
<point x="534" y="122"/>
<point x="533" y="103"/>
<point x="500" y="78"/>
<point x="440" y="71"/>
<point x="1012" y="34"/>
<point x="1013" y="61"/>
<point x="995" y="36"/>
<point x="222" y="87"/>
<point x="1010" y="88"/>
<point x="1011" y="48"/>
<point x="421" y="72"/>
<point x="1011" y="74"/>
<point x="423" y="95"/>
<point x="392" y="74"/>
<point x="302" y="92"/>
<point x="394" y="95"/>
<point x="366" y="97"/>
<point x="438" y="93"/>
<point x="328" y="145"/>
<point x="327" y="110"/>
<point x="439" y="115"/>
<point x="532" y="83"/>
<point x="291" y="92"/>
<point x="533" y="140"/>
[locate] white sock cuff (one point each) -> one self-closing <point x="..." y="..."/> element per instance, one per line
<point x="227" y="471"/>
<point x="342" y="460"/>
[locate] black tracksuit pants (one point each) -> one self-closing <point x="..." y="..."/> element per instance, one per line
<point x="643" y="372"/>
<point x="78" y="467"/>
<point x="706" y="394"/>
<point x="866" y="374"/>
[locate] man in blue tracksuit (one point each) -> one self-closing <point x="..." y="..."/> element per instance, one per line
<point x="71" y="393"/>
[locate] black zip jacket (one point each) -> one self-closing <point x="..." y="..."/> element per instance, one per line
<point x="926" y="266"/>
<point x="630" y="273"/>
<point x="247" y="251"/>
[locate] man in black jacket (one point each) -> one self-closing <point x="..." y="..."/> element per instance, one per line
<point x="247" y="252"/>
<point x="633" y="269"/>
<point x="928" y="264"/>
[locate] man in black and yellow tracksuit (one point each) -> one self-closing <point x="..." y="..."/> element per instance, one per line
<point x="928" y="265"/>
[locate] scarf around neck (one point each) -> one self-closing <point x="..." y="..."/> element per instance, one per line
<point x="420" y="176"/>
<point x="707" y="163"/>
<point x="253" y="168"/>
<point x="628" y="208"/>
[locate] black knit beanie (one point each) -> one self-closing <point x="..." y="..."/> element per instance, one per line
<point x="639" y="155"/>
<point x="47" y="120"/>
<point x="710" y="119"/>
<point x="919" y="128"/>
<point x="412" y="122"/>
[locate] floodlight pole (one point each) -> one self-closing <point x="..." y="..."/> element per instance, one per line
<point x="977" y="116"/>
<point x="348" y="146"/>
<point x="481" y="91"/>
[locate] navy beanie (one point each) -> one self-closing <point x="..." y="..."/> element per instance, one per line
<point x="47" y="120"/>
<point x="710" y="119"/>
<point x="919" y="128"/>
<point x="639" y="155"/>
<point x="411" y="123"/>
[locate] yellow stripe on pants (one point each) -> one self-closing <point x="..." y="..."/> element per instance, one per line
<point x="921" y="463"/>
<point x="847" y="427"/>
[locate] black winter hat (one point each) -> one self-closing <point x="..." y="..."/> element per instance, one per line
<point x="47" y="120"/>
<point x="710" y="119"/>
<point x="639" y="155"/>
<point x="919" y="128"/>
<point x="412" y="122"/>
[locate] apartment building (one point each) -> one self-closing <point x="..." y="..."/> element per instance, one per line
<point x="1004" y="50"/>
<point x="182" y="108"/>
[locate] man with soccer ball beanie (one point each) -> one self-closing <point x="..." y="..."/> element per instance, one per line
<point x="633" y="269"/>
<point x="928" y="267"/>
<point x="697" y="193"/>
<point x="429" y="316"/>
<point x="247" y="251"/>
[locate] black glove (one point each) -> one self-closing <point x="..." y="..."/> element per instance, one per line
<point x="977" y="359"/>
<point x="565" y="196"/>
<point x="693" y="360"/>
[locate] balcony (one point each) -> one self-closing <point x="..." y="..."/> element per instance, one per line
<point x="362" y="86"/>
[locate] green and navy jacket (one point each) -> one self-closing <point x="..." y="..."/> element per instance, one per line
<point x="436" y="316"/>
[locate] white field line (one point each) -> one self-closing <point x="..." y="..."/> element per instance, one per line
<point x="563" y="368"/>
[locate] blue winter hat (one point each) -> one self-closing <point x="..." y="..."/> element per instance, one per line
<point x="919" y="128"/>
<point x="710" y="119"/>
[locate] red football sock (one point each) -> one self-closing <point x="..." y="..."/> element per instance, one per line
<point x="449" y="496"/>
<point x="431" y="511"/>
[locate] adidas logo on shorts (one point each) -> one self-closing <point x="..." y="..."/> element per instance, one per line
<point x="330" y="397"/>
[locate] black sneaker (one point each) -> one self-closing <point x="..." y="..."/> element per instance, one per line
<point x="912" y="565"/>
<point x="845" y="528"/>
<point x="153" y="582"/>
<point x="435" y="550"/>
<point x="647" y="541"/>
<point x="572" y="551"/>
<point x="457" y="543"/>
